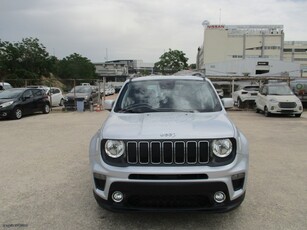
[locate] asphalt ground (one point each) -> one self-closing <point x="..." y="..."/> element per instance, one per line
<point x="45" y="180"/>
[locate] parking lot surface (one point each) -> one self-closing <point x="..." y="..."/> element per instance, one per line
<point x="45" y="179"/>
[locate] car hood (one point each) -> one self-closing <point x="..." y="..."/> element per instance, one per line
<point x="283" y="98"/>
<point x="167" y="126"/>
<point x="78" y="95"/>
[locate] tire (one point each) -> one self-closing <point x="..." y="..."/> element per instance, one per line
<point x="266" y="112"/>
<point x="298" y="115"/>
<point x="61" y="102"/>
<point x="17" y="113"/>
<point x="239" y="103"/>
<point x="46" y="109"/>
<point x="256" y="109"/>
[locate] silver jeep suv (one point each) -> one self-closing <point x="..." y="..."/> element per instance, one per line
<point x="168" y="145"/>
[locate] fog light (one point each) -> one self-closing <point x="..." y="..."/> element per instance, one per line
<point x="219" y="197"/>
<point x="272" y="107"/>
<point x="117" y="196"/>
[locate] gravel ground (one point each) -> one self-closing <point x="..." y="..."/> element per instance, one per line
<point x="45" y="178"/>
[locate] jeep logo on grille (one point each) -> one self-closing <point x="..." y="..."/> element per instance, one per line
<point x="168" y="135"/>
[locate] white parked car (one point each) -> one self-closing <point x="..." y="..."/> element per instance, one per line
<point x="278" y="98"/>
<point x="245" y="94"/>
<point x="4" y="86"/>
<point x="219" y="89"/>
<point x="55" y="96"/>
<point x="109" y="90"/>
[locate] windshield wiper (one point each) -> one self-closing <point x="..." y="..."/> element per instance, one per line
<point x="138" y="108"/>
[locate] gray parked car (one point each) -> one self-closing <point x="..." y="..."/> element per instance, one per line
<point x="87" y="94"/>
<point x="168" y="145"/>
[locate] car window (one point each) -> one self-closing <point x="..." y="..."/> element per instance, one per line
<point x="28" y="93"/>
<point x="251" y="88"/>
<point x="168" y="95"/>
<point x="55" y="91"/>
<point x="10" y="93"/>
<point x="279" y="90"/>
<point x="82" y="89"/>
<point x="37" y="92"/>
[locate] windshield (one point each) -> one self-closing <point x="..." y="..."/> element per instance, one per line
<point x="10" y="93"/>
<point x="279" y="90"/>
<point x="251" y="88"/>
<point x="81" y="89"/>
<point x="167" y="96"/>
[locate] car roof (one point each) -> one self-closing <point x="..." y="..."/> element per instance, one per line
<point x="4" y="83"/>
<point x="167" y="77"/>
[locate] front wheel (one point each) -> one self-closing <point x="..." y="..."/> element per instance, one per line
<point x="61" y="102"/>
<point x="239" y="103"/>
<point x="266" y="112"/>
<point x="256" y="109"/>
<point x="46" y="108"/>
<point x="17" y="113"/>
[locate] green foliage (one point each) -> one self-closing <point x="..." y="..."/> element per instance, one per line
<point x="29" y="59"/>
<point x="25" y="59"/>
<point x="192" y="66"/>
<point x="76" y="67"/>
<point x="171" y="62"/>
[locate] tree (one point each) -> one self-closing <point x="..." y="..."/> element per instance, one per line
<point x="75" y="66"/>
<point x="25" y="59"/>
<point x="192" y="66"/>
<point x="171" y="62"/>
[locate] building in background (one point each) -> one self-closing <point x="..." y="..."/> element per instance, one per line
<point x="119" y="70"/>
<point x="250" y="50"/>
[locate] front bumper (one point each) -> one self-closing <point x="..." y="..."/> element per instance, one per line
<point x="72" y="103"/>
<point x="6" y="112"/>
<point x="275" y="109"/>
<point x="188" y="188"/>
<point x="175" y="196"/>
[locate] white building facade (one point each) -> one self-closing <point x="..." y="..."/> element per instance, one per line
<point x="250" y="50"/>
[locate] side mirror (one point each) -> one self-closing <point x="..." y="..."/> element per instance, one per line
<point x="108" y="104"/>
<point x="228" y="103"/>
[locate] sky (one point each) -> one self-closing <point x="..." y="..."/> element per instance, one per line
<point x="104" y="30"/>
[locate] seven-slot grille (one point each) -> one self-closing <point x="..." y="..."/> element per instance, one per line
<point x="167" y="152"/>
<point x="287" y="104"/>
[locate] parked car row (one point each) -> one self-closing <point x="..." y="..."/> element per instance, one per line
<point x="55" y="94"/>
<point x="109" y="90"/>
<point x="274" y="98"/>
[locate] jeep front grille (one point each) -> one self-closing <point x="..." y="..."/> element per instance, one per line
<point x="167" y="152"/>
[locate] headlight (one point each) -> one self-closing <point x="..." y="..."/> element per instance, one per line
<point x="114" y="148"/>
<point x="6" y="104"/>
<point x="222" y="148"/>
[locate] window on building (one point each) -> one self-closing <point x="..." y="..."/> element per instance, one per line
<point x="262" y="71"/>
<point x="300" y="50"/>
